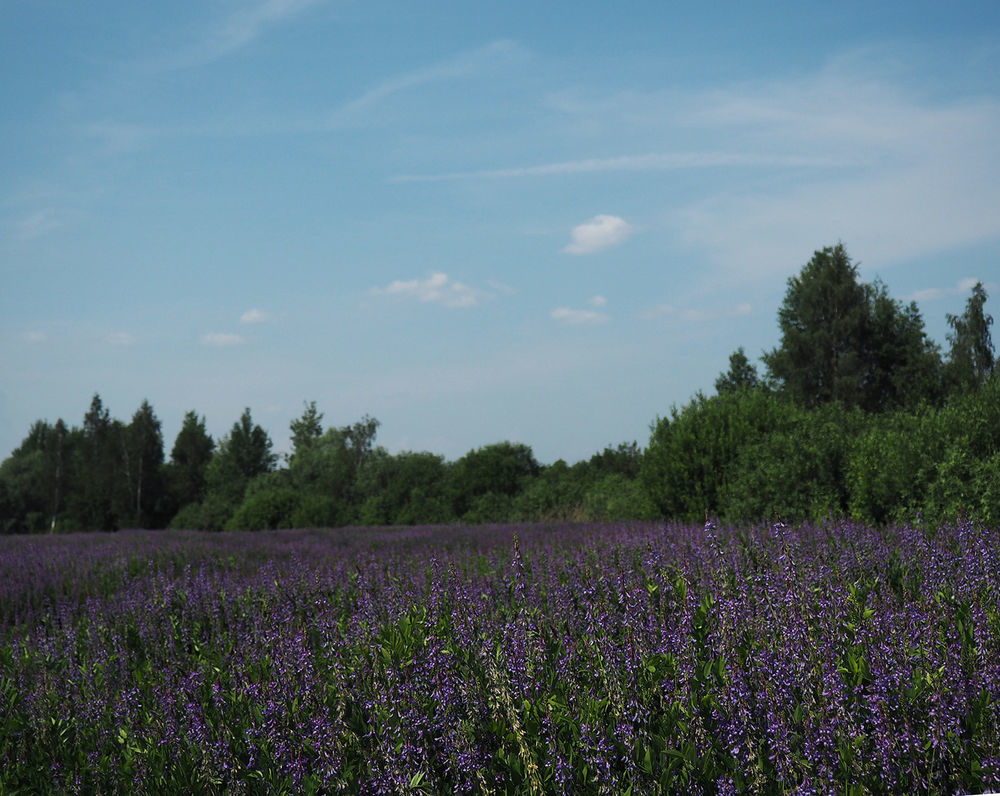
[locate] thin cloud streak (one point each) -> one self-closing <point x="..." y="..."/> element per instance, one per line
<point x="656" y="161"/>
<point x="239" y="30"/>
<point x="37" y="224"/>
<point x="484" y="59"/>
<point x="695" y="315"/>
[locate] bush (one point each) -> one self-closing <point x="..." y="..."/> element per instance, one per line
<point x="264" y="510"/>
<point x="615" y="498"/>
<point x="685" y="467"/>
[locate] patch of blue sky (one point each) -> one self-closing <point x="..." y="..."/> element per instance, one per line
<point x="473" y="221"/>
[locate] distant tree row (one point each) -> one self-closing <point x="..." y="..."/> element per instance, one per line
<point x="857" y="413"/>
<point x="106" y="475"/>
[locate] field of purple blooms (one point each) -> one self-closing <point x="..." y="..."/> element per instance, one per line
<point x="537" y="659"/>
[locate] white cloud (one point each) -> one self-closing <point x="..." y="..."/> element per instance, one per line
<point x="256" y="316"/>
<point x="598" y="233"/>
<point x="571" y="317"/>
<point x="119" y="338"/>
<point x="438" y="288"/>
<point x="34" y="337"/>
<point x="219" y="339"/>
<point x="37" y="224"/>
<point x="597" y="301"/>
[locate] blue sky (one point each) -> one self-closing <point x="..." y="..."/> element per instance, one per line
<point x="473" y="221"/>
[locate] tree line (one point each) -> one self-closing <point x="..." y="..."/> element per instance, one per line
<point x="107" y="474"/>
<point x="858" y="413"/>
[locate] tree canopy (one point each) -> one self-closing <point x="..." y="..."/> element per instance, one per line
<point x="847" y="341"/>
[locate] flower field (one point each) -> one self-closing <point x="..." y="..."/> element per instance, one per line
<point x="536" y="659"/>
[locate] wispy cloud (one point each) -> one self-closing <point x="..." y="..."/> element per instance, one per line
<point x="931" y="180"/>
<point x="37" y="224"/>
<point x="221" y="339"/>
<point x="438" y="288"/>
<point x="963" y="286"/>
<point x="34" y="337"/>
<point x="232" y="33"/>
<point x="256" y="316"/>
<point x="654" y="161"/>
<point x="501" y="288"/>
<point x="119" y="338"/>
<point x="573" y="317"/>
<point x="483" y="59"/>
<point x="696" y="315"/>
<point x="600" y="232"/>
<point x="597" y="301"/>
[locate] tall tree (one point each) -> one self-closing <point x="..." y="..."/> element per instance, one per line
<point x="243" y="454"/>
<point x="360" y="440"/>
<point x="96" y="470"/>
<point x="306" y="429"/>
<point x="970" y="360"/>
<point x="189" y="459"/>
<point x="822" y="321"/>
<point x="904" y="365"/>
<point x="142" y="457"/>
<point x="848" y="341"/>
<point x="34" y="480"/>
<point x="742" y="375"/>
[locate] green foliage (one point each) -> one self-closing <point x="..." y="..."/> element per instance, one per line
<point x="503" y="468"/>
<point x="556" y="493"/>
<point x="624" y="460"/>
<point x="847" y="341"/>
<point x="615" y="498"/>
<point x="94" y="471"/>
<point x="306" y="429"/>
<point x="686" y="466"/>
<point x="742" y="375"/>
<point x="190" y="517"/>
<point x="35" y="479"/>
<point x="822" y="322"/>
<point x="970" y="360"/>
<point x="265" y="509"/>
<point x="796" y="471"/>
<point x="142" y="459"/>
<point x="314" y="510"/>
<point x="489" y="507"/>
<point x="404" y="489"/>
<point x="185" y="473"/>
<point x="936" y="462"/>
<point x="242" y="455"/>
